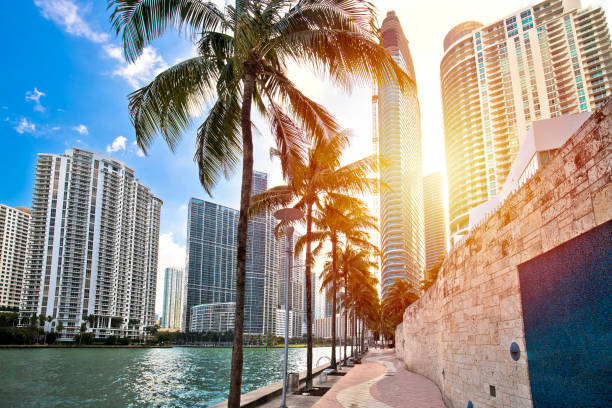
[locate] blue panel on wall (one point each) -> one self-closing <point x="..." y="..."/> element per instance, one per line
<point x="567" y="297"/>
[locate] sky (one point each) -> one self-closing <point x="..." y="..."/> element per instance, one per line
<point x="66" y="85"/>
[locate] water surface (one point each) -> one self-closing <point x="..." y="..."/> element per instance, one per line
<point x="176" y="377"/>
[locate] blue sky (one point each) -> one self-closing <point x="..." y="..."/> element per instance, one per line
<point x="66" y="85"/>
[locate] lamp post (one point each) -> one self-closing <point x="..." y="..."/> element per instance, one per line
<point x="287" y="215"/>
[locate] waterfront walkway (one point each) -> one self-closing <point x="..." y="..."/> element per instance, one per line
<point x="382" y="381"/>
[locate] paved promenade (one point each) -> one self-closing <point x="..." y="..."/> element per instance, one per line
<point x="382" y="382"/>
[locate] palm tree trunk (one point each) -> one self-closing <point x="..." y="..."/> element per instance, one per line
<point x="362" y="335"/>
<point x="334" y="291"/>
<point x="308" y="299"/>
<point x="353" y="333"/>
<point x="243" y="225"/>
<point x="345" y="310"/>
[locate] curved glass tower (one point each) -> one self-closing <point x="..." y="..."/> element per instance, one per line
<point x="401" y="195"/>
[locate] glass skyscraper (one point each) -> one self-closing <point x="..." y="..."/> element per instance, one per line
<point x="172" y="316"/>
<point x="542" y="61"/>
<point x="435" y="222"/>
<point x="399" y="136"/>
<point x="211" y="261"/>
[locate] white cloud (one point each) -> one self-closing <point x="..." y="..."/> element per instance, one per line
<point x="170" y="254"/>
<point x="35" y="96"/>
<point x="82" y="129"/>
<point x="118" y="144"/>
<point x="113" y="52"/>
<point x="55" y="128"/>
<point x="68" y="15"/>
<point x="141" y="71"/>
<point x="25" y="126"/>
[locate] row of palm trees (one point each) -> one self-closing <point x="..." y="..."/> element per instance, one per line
<point x="243" y="51"/>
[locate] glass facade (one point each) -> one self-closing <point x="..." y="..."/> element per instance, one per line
<point x="211" y="261"/>
<point x="172" y="317"/>
<point x="399" y="135"/>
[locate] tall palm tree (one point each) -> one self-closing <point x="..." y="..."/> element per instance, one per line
<point x="339" y="215"/>
<point x="355" y="265"/>
<point x="243" y="51"/>
<point x="311" y="179"/>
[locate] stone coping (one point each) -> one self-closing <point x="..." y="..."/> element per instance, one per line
<point x="90" y="346"/>
<point x="259" y="396"/>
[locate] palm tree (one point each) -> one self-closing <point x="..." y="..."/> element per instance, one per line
<point x="243" y="53"/>
<point x="399" y="296"/>
<point x="355" y="265"/>
<point x="362" y="294"/>
<point x="338" y="215"/>
<point x="311" y="179"/>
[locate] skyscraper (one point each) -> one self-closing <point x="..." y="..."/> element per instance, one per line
<point x="172" y="317"/>
<point x="211" y="255"/>
<point x="93" y="246"/>
<point x="399" y="135"/>
<point x="542" y="61"/>
<point x="297" y="294"/>
<point x="211" y="261"/>
<point x="435" y="222"/>
<point x="261" y="268"/>
<point x="14" y="225"/>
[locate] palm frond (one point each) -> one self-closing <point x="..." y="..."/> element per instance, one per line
<point x="219" y="145"/>
<point x="141" y="21"/>
<point x="166" y="105"/>
<point x="271" y="199"/>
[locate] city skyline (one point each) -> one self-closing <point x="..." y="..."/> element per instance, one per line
<point x="60" y="107"/>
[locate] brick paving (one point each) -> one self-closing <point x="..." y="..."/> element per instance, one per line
<point x="406" y="389"/>
<point x="382" y="382"/>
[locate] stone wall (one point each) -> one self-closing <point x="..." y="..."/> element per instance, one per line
<point x="459" y="333"/>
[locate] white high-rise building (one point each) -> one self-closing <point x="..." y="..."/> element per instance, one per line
<point x="540" y="62"/>
<point x="14" y="225"/>
<point x="174" y="287"/>
<point x="92" y="253"/>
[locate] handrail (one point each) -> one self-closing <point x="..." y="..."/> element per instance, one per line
<point x="321" y="358"/>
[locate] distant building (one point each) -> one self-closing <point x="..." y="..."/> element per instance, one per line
<point x="211" y="261"/>
<point x="540" y="62"/>
<point x="541" y="142"/>
<point x="297" y="293"/>
<point x="399" y="137"/>
<point x="93" y="246"/>
<point x="323" y="328"/>
<point x="172" y="317"/>
<point x="14" y="226"/>
<point x="435" y="222"/>
<point x="214" y="317"/>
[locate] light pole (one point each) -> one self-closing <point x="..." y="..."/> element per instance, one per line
<point x="287" y="215"/>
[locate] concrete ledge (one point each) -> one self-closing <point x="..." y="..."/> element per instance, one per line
<point x="257" y="397"/>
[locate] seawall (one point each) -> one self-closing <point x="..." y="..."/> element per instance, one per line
<point x="498" y="287"/>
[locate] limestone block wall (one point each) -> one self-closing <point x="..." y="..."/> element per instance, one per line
<point x="459" y="333"/>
